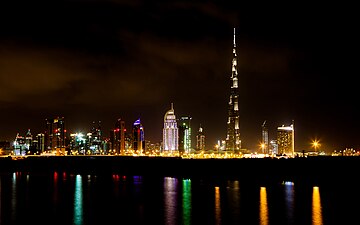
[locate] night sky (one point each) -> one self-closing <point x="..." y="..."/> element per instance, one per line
<point x="103" y="60"/>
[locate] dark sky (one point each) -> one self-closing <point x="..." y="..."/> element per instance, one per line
<point x="91" y="60"/>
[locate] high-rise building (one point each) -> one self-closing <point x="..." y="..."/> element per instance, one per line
<point x="28" y="140"/>
<point x="19" y="145"/>
<point x="200" y="140"/>
<point x="285" y="140"/>
<point x="117" y="137"/>
<point x="233" y="142"/>
<point x="138" y="137"/>
<point x="184" y="134"/>
<point x="170" y="132"/>
<point x="55" y="135"/>
<point x="264" y="138"/>
<point x="94" y="138"/>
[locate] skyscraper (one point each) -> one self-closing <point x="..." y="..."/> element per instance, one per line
<point x="55" y="135"/>
<point x="265" y="138"/>
<point x="138" y="137"/>
<point x="170" y="132"/>
<point x="285" y="140"/>
<point x="185" y="134"/>
<point x="117" y="137"/>
<point x="200" y="140"/>
<point x="233" y="142"/>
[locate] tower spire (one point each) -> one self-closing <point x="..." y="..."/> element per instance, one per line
<point x="234" y="38"/>
<point x="233" y="142"/>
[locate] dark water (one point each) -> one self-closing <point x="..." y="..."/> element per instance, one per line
<point x="65" y="198"/>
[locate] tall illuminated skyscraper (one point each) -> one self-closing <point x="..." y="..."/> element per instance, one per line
<point x="185" y="134"/>
<point x="117" y="137"/>
<point x="138" y="137"/>
<point x="55" y="134"/>
<point x="200" y="140"/>
<point x="264" y="138"/>
<point x="285" y="140"/>
<point x="170" y="132"/>
<point x="233" y="142"/>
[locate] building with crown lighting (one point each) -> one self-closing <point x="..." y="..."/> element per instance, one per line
<point x="285" y="140"/>
<point x="170" y="132"/>
<point x="233" y="142"/>
<point x="138" y="139"/>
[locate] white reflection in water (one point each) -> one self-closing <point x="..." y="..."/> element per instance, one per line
<point x="186" y="204"/>
<point x="316" y="207"/>
<point x="264" y="211"/>
<point x="289" y="201"/>
<point x="170" y="201"/>
<point x="13" y="197"/>
<point x="78" y="202"/>
<point x="233" y="197"/>
<point x="217" y="206"/>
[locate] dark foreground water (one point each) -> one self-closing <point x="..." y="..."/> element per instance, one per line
<point x="67" y="198"/>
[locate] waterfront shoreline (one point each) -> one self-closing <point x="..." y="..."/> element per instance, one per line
<point x="311" y="168"/>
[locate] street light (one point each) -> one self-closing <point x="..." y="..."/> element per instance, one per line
<point x="315" y="144"/>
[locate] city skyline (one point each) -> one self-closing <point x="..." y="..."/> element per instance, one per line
<point x="100" y="61"/>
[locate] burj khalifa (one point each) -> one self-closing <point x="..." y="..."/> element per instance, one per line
<point x="233" y="142"/>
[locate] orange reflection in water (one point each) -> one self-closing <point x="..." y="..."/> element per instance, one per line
<point x="264" y="214"/>
<point x="217" y="206"/>
<point x="316" y="207"/>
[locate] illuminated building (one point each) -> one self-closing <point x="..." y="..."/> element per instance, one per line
<point x="273" y="147"/>
<point x="40" y="142"/>
<point x="138" y="137"/>
<point x="28" y="139"/>
<point x="55" y="135"/>
<point x="264" y="138"/>
<point x="200" y="140"/>
<point x="184" y="134"/>
<point x="117" y="137"/>
<point x="19" y="145"/>
<point x="94" y="138"/>
<point x="170" y="132"/>
<point x="285" y="140"/>
<point x="233" y="142"/>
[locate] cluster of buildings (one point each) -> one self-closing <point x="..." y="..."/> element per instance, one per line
<point x="176" y="135"/>
<point x="57" y="140"/>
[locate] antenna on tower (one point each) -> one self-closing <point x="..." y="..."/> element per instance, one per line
<point x="234" y="38"/>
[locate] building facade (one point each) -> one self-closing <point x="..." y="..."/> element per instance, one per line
<point x="233" y="142"/>
<point x="200" y="140"/>
<point x="117" y="137"/>
<point x="55" y="135"/>
<point x="285" y="140"/>
<point x="264" y="138"/>
<point x="170" y="132"/>
<point x="185" y="134"/>
<point x="138" y="139"/>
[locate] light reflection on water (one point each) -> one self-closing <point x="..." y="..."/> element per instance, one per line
<point x="84" y="199"/>
<point x="170" y="200"/>
<point x="233" y="199"/>
<point x="78" y="201"/>
<point x="264" y="211"/>
<point x="289" y="201"/>
<point x="186" y="204"/>
<point x="13" y="196"/>
<point x="217" y="206"/>
<point x="316" y="207"/>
